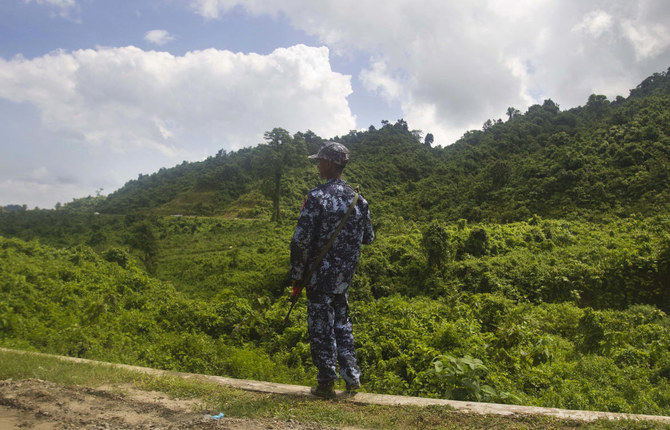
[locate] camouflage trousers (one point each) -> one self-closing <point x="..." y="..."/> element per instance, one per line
<point x="331" y="337"/>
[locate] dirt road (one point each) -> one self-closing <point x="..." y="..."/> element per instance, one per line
<point x="42" y="405"/>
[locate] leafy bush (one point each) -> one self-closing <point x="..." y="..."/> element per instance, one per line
<point x="528" y="316"/>
<point x="461" y="379"/>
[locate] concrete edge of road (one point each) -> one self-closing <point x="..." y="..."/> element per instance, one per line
<point x="375" y="399"/>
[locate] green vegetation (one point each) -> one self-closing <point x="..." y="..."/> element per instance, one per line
<point x="528" y="263"/>
<point x="527" y="312"/>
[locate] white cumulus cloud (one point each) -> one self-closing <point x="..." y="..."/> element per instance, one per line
<point x="65" y="6"/>
<point x="158" y="37"/>
<point x="213" y="9"/>
<point x="595" y="23"/>
<point x="378" y="78"/>
<point x="452" y="65"/>
<point x="98" y="117"/>
<point x="649" y="41"/>
<point x="126" y="98"/>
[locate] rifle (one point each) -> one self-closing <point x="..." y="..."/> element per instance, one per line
<point x="297" y="288"/>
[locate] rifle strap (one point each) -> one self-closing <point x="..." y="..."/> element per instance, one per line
<point x="326" y="248"/>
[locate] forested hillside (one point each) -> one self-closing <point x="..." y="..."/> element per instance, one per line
<point x="527" y="263"/>
<point x="604" y="158"/>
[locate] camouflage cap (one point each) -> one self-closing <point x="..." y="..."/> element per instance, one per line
<point x="334" y="152"/>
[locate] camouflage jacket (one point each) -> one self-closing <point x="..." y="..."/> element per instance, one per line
<point x="322" y="212"/>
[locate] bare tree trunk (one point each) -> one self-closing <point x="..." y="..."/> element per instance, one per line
<point x="276" y="215"/>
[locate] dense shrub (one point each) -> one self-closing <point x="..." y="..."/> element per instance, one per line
<point x="523" y="322"/>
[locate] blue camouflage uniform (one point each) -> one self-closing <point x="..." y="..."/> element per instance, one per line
<point x="328" y="321"/>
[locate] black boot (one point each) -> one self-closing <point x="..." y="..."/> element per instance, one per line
<point x="324" y="390"/>
<point x="351" y="388"/>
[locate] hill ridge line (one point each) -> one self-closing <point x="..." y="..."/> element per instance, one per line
<point x="370" y="398"/>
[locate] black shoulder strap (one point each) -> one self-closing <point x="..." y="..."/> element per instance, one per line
<point x="326" y="248"/>
<point x="323" y="254"/>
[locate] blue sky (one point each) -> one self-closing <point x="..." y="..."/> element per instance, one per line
<point x="93" y="93"/>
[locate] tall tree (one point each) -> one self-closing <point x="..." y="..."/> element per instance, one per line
<point x="435" y="242"/>
<point x="142" y="237"/>
<point x="428" y="141"/>
<point x="282" y="152"/>
<point x="597" y="106"/>
<point x="513" y="112"/>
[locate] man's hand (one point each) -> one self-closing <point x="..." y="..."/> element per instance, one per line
<point x="296" y="291"/>
<point x="297" y="288"/>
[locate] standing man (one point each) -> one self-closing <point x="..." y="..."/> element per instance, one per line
<point x="329" y="325"/>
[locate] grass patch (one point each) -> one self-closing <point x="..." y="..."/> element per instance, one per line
<point x="14" y="365"/>
<point x="242" y="404"/>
